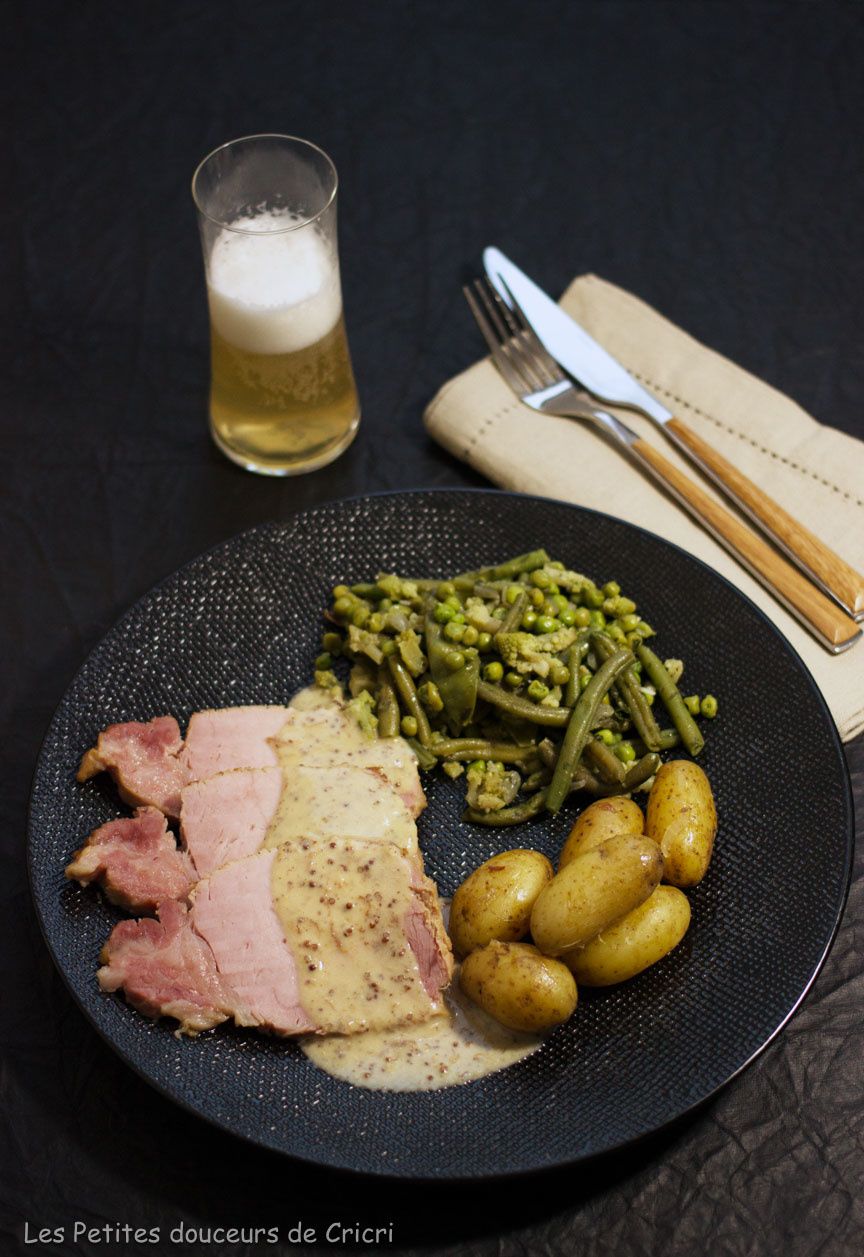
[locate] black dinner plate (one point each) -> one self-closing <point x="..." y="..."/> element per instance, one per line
<point x="241" y="624"/>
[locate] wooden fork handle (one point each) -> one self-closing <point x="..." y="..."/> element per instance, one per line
<point x="831" y="626"/>
<point x="829" y="571"/>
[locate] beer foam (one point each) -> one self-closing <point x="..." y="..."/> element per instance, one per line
<point x="272" y="291"/>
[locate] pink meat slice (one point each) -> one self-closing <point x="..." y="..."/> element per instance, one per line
<point x="228" y="955"/>
<point x="143" y="760"/>
<point x="136" y="861"/>
<point x="234" y="913"/>
<point x="166" y="969"/>
<point x="230" y="737"/>
<point x="226" y="817"/>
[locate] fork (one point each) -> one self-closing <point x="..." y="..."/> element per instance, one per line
<point x="536" y="378"/>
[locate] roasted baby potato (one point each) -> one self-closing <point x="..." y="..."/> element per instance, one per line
<point x="602" y="820"/>
<point x="519" y="986"/>
<point x="682" y="820"/>
<point x="639" y="940"/>
<point x="495" y="901"/>
<point x="595" y="890"/>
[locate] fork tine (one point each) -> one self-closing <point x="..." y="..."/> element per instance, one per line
<point x="509" y="332"/>
<point x="519" y="379"/>
<point x="499" y="357"/>
<point x="533" y="341"/>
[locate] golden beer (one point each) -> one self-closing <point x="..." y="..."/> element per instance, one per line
<point x="287" y="412"/>
<point x="282" y="395"/>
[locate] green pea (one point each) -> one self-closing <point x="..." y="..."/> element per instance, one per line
<point x="581" y="618"/>
<point x="408" y="725"/>
<point x="513" y="592"/>
<point x="454" y="631"/>
<point x="477" y="766"/>
<point x="561" y="603"/>
<point x="484" y="641"/>
<point x="597" y="619"/>
<point x="454" y="660"/>
<point x="691" y="702"/>
<point x="559" y="673"/>
<point x="387" y="647"/>
<point x="332" y="642"/>
<point x="445" y="590"/>
<point x="493" y="671"/>
<point x="708" y="706"/>
<point x="540" y="579"/>
<point x="552" y="588"/>
<point x="375" y="623"/>
<point x="385" y="605"/>
<point x="343" y="606"/>
<point x="323" y="662"/>
<point x="470" y="636"/>
<point x="529" y="619"/>
<point x="584" y="680"/>
<point x="568" y="617"/>
<point x="629" y="622"/>
<point x="605" y="735"/>
<point x="612" y="589"/>
<point x="546" y="624"/>
<point x="341" y="591"/>
<point x="537" y="691"/>
<point x="537" y="598"/>
<point x="459" y="617"/>
<point x="616" y="632"/>
<point x="452" y="600"/>
<point x="625" y="752"/>
<point x="442" y="613"/>
<point x="592" y="597"/>
<point x="644" y="630"/>
<point x="360" y="616"/>
<point x="512" y="680"/>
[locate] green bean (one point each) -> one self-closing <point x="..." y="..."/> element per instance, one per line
<point x="388" y="706"/>
<point x="425" y="758"/>
<point x="579" y="727"/>
<point x="554" y="717"/>
<point x="514" y="815"/>
<point x="480" y="748"/>
<point x="640" y="771"/>
<point x="575" y="655"/>
<point x="513" y="617"/>
<point x="629" y="691"/>
<point x="668" y="691"/>
<point x="504" y="571"/>
<point x="605" y="761"/>
<point x="407" y="691"/>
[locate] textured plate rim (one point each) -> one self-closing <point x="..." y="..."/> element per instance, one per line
<point x="386" y="1172"/>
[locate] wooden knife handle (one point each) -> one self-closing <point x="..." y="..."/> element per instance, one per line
<point x="834" y="629"/>
<point x="819" y="560"/>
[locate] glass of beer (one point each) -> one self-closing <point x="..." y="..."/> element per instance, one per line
<point x="282" y="396"/>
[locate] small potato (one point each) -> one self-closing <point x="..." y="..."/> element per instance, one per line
<point x="639" y="940"/>
<point x="518" y="986"/>
<point x="595" y="890"/>
<point x="682" y="820"/>
<point x="495" y="901"/>
<point x="603" y="819"/>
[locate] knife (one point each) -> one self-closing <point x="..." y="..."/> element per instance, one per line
<point x="603" y="376"/>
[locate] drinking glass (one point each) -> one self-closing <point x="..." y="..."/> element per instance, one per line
<point x="282" y="394"/>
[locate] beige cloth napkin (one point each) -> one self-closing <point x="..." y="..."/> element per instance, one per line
<point x="816" y="472"/>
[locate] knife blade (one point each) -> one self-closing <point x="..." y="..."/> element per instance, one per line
<point x="602" y="375"/>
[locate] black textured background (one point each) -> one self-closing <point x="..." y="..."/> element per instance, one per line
<point x="707" y="156"/>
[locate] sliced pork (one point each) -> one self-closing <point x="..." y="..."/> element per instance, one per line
<point x="165" y="969"/>
<point x="231" y="815"/>
<point x="136" y="861"/>
<point x="327" y="937"/>
<point x="151" y="764"/>
<point x="142" y="759"/>
<point x="226" y="817"/>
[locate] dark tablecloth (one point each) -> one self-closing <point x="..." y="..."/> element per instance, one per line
<point x="706" y="156"/>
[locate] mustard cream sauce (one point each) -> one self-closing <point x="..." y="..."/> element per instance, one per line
<point x="343" y="904"/>
<point x="463" y="1045"/>
<point x="356" y="888"/>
